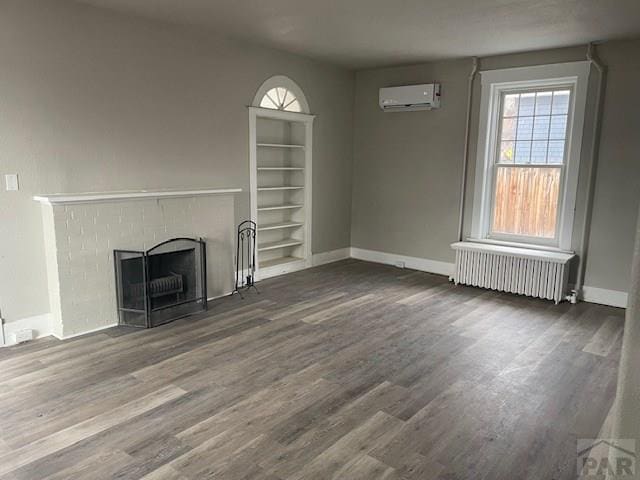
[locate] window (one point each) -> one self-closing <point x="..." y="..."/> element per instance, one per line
<point x="281" y="93"/>
<point x="529" y="149"/>
<point x="529" y="162"/>
<point x="280" y="98"/>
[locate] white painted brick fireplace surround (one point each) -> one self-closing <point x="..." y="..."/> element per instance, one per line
<point x="81" y="232"/>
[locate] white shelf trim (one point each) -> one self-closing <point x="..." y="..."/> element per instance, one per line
<point x="93" y="197"/>
<point x="278" y="207"/>
<point x="279" y="226"/>
<point x="279" y="145"/>
<point x="289" y="242"/>
<point x="276" y="169"/>
<point x="285" y="187"/>
<point x="274" y="262"/>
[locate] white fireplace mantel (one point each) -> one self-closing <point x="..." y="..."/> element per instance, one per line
<point x="97" y="197"/>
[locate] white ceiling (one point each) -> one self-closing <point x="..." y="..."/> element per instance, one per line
<point x="365" y="33"/>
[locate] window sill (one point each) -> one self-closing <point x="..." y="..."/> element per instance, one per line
<point x="529" y="246"/>
<point x="529" y="251"/>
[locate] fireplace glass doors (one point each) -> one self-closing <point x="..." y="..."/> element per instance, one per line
<point x="164" y="283"/>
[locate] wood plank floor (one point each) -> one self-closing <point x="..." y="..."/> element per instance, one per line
<point x="347" y="371"/>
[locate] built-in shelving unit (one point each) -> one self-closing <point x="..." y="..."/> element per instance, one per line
<point x="280" y="161"/>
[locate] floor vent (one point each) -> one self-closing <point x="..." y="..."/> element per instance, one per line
<point x="523" y="271"/>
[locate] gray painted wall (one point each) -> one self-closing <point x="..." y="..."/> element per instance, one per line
<point x="92" y="100"/>
<point x="617" y="193"/>
<point x="407" y="166"/>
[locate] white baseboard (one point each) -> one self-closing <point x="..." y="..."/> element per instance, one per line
<point x="211" y="299"/>
<point x="315" y="260"/>
<point x="93" y="330"/>
<point x="613" y="298"/>
<point x="331" y="256"/>
<point x="422" y="264"/>
<point x="40" y="324"/>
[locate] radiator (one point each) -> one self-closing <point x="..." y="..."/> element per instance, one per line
<point x="523" y="271"/>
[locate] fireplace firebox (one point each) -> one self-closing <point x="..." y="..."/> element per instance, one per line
<point x="166" y="282"/>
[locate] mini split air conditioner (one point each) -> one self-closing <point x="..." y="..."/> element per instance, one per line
<point x="410" y="98"/>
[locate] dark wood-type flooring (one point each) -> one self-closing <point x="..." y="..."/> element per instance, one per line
<point x="346" y="371"/>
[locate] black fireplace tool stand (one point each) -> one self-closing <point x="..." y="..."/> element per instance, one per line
<point x="245" y="258"/>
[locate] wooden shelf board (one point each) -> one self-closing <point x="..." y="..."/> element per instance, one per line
<point x="278" y="207"/>
<point x="279" y="226"/>
<point x="288" y="242"/>
<point x="279" y="145"/>
<point x="274" y="262"/>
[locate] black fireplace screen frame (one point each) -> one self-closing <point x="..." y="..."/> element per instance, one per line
<point x="144" y="310"/>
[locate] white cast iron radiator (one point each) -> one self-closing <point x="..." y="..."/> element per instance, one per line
<point x="523" y="271"/>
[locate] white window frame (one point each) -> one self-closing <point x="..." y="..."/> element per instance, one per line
<point x="494" y="83"/>
<point x="284" y="82"/>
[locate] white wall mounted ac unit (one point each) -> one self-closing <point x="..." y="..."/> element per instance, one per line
<point x="410" y="98"/>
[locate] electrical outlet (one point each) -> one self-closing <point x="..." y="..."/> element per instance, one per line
<point x="399" y="264"/>
<point x="22" y="336"/>
<point x="11" y="182"/>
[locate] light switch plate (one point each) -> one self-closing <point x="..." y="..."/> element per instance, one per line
<point x="11" y="182"/>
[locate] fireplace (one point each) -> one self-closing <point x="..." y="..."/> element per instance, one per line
<point x="162" y="284"/>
